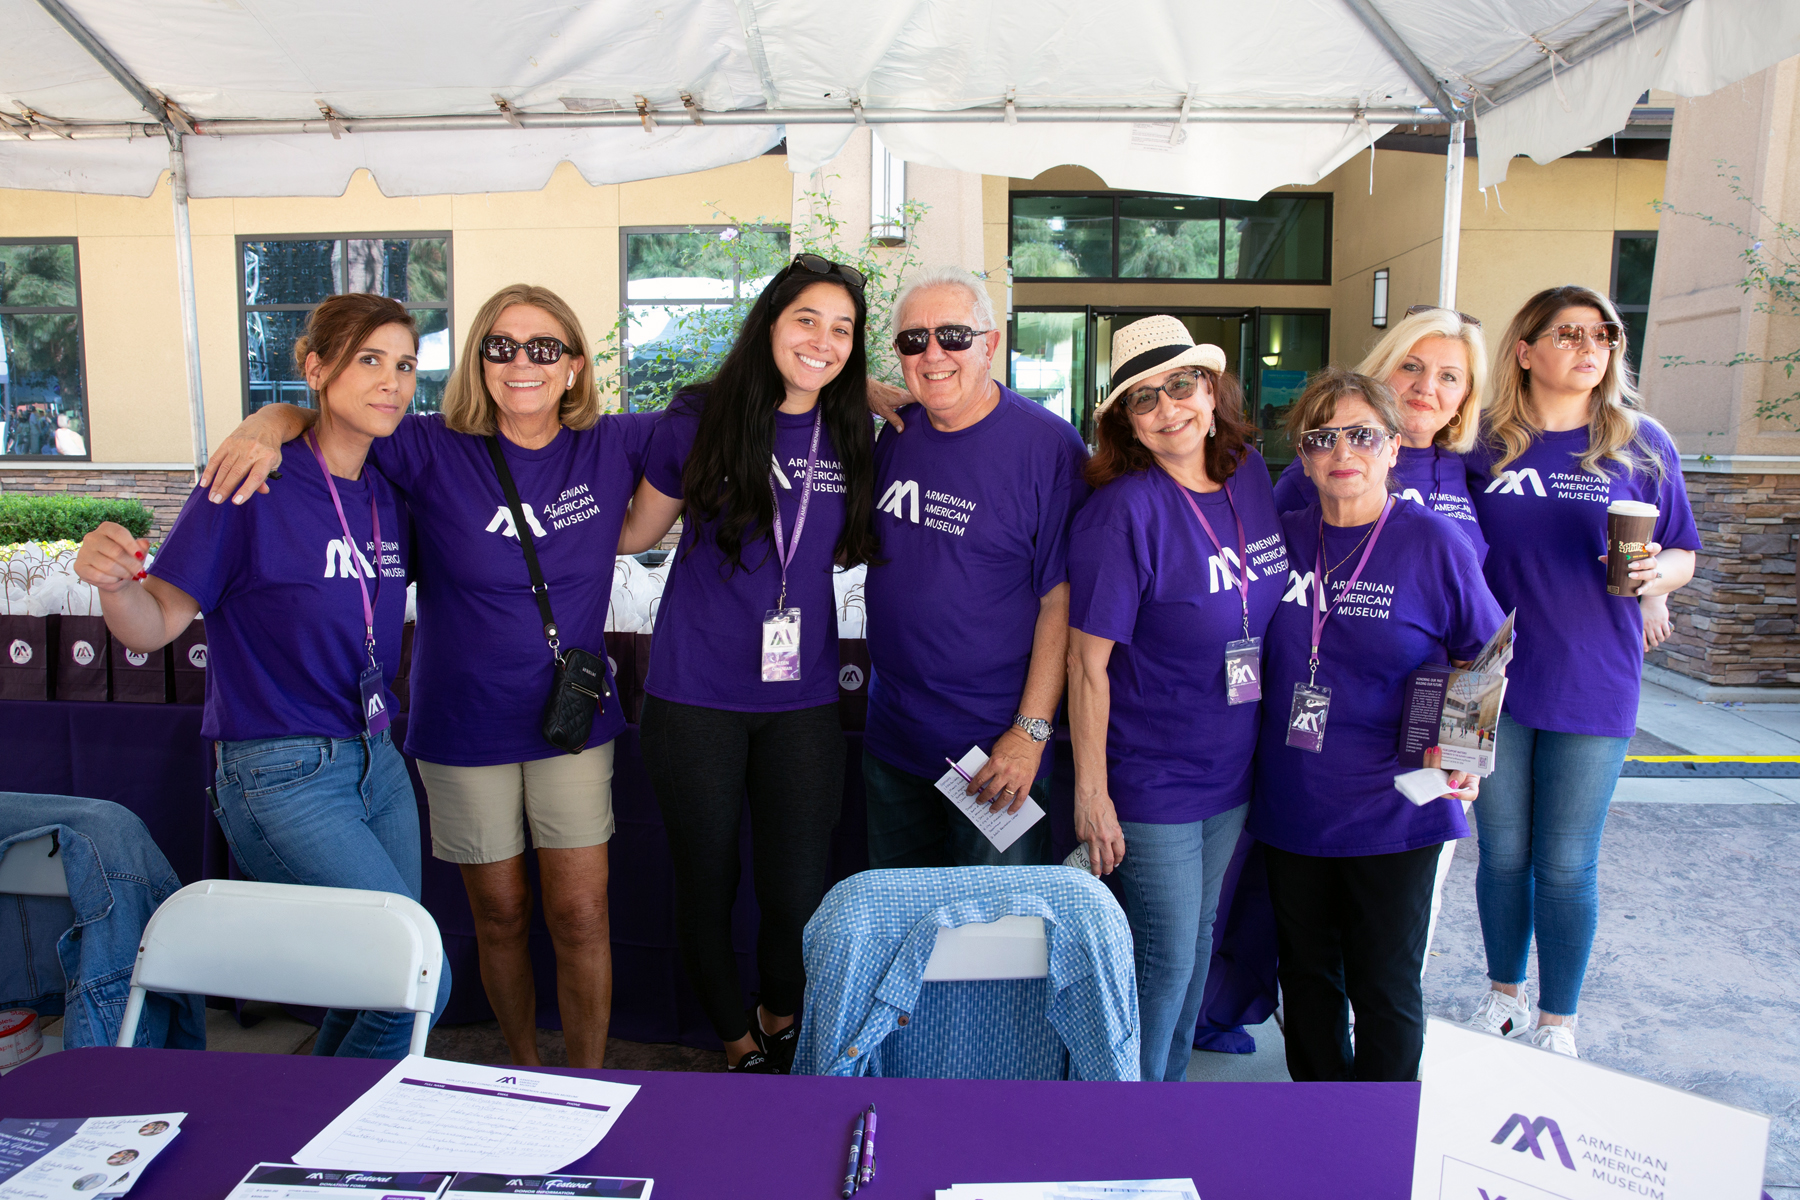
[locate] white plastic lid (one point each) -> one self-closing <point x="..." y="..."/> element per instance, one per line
<point x="1632" y="508"/>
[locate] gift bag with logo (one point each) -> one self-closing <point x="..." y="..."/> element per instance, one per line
<point x="402" y="685"/>
<point x="139" y="678"/>
<point x="81" y="658"/>
<point x="853" y="683"/>
<point x="25" y="653"/>
<point x="189" y="654"/>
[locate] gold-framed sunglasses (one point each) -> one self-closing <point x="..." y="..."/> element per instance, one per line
<point x="1568" y="336"/>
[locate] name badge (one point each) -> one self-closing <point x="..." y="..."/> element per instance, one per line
<point x="781" y="646"/>
<point x="1306" y="721"/>
<point x="1243" y="671"/>
<point x="374" y="708"/>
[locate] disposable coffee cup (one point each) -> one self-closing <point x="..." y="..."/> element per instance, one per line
<point x="1630" y="524"/>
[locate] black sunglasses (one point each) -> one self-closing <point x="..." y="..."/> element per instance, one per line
<point x="1462" y="316"/>
<point x="814" y="264"/>
<point x="545" y="351"/>
<point x="951" y="337"/>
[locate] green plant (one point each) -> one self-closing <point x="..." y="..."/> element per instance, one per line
<point x="1771" y="267"/>
<point x="54" y="518"/>
<point x="697" y="338"/>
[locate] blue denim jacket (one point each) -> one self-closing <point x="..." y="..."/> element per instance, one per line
<point x="79" y="953"/>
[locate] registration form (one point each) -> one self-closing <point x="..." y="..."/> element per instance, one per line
<point x="284" y="1181"/>
<point x="1001" y="828"/>
<point x="431" y="1115"/>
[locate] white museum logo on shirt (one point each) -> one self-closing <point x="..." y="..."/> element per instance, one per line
<point x="1300" y="586"/>
<point x="1219" y="568"/>
<point x="942" y="511"/>
<point x="344" y="561"/>
<point x="1370" y="600"/>
<point x="828" y="475"/>
<point x="1413" y="495"/>
<point x="897" y="494"/>
<point x="503" y="523"/>
<point x="1512" y="483"/>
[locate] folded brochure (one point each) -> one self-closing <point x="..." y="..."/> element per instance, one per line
<point x="285" y="1181"/>
<point x="1457" y="709"/>
<point x="96" y="1158"/>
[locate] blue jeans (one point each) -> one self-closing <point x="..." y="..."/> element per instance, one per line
<point x="1538" y="821"/>
<point x="912" y="824"/>
<point x="328" y="812"/>
<point x="1169" y="883"/>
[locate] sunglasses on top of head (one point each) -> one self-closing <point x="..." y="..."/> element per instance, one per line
<point x="1365" y="440"/>
<point x="1569" y="336"/>
<point x="1462" y="316"/>
<point x="813" y="264"/>
<point x="544" y="351"/>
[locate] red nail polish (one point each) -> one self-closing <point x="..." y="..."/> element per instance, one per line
<point x="141" y="575"/>
<point x="140" y="555"/>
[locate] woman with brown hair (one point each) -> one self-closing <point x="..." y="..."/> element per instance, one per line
<point x="482" y="661"/>
<point x="1176" y="564"/>
<point x="304" y="595"/>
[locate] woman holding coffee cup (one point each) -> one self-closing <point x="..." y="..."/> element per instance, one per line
<point x="1564" y="442"/>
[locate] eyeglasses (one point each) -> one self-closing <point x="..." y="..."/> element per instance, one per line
<point x="1145" y="399"/>
<point x="814" y="264"/>
<point x="1366" y="440"/>
<point x="951" y="337"/>
<point x="545" y="351"/>
<point x="1568" y="337"/>
<point x="1462" y="316"/>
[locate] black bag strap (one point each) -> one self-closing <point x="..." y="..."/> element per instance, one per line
<point x="540" y="591"/>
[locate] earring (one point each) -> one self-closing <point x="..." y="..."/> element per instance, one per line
<point x="1212" y="430"/>
<point x="1456" y="421"/>
<point x="571" y="382"/>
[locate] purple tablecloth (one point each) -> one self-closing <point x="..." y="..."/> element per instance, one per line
<point x="716" y="1135"/>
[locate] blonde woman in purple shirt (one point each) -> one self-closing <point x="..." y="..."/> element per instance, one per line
<point x="1564" y="439"/>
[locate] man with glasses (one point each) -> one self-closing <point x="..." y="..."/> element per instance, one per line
<point x="968" y="615"/>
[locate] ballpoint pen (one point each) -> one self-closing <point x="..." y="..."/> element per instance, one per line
<point x="868" y="1151"/>
<point x="856" y="1140"/>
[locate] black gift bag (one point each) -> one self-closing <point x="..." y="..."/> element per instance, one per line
<point x="853" y="683"/>
<point x="140" y="678"/>
<point x="188" y="653"/>
<point x="25" y="664"/>
<point x="402" y="686"/>
<point x="81" y="658"/>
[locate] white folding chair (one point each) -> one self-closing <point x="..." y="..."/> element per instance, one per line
<point x="33" y="868"/>
<point x="279" y="942"/>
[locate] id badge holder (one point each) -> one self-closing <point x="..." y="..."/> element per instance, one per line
<point x="1243" y="671"/>
<point x="374" y="709"/>
<point x="781" y="646"/>
<point x="1306" y="721"/>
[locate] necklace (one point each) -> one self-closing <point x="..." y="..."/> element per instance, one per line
<point x="1340" y="562"/>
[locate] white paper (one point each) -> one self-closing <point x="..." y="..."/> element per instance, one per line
<point x="430" y="1115"/>
<point x="1106" y="1189"/>
<point x="1423" y="785"/>
<point x="474" y="1186"/>
<point x="95" y="1159"/>
<point x="1001" y="828"/>
<point x="285" y="1181"/>
<point x="1505" y="1117"/>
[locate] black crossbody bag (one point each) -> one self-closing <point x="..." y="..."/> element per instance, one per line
<point x="579" y="685"/>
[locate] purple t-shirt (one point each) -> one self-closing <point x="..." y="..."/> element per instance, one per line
<point x="1428" y="475"/>
<point x="1421" y="599"/>
<point x="975" y="529"/>
<point x="1581" y="650"/>
<point x="284" y="618"/>
<point x="481" y="669"/>
<point x="1143" y="573"/>
<point x="708" y="645"/>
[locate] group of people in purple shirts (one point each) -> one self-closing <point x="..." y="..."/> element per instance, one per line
<point x="1233" y="648"/>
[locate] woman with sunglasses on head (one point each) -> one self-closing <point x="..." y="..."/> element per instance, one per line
<point x="1165" y="632"/>
<point x="484" y="655"/>
<point x="1435" y="361"/>
<point x="1563" y="440"/>
<point x="304" y="596"/>
<point x="1377" y="588"/>
<point x="772" y="459"/>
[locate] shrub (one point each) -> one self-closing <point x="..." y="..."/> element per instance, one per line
<point x="51" y="518"/>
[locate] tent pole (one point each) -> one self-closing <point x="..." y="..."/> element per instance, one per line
<point x="1453" y="200"/>
<point x="190" y="313"/>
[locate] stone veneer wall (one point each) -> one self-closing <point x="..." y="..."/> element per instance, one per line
<point x="162" y="492"/>
<point x="1735" y="623"/>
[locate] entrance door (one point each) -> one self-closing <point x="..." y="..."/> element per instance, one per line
<point x="1232" y="330"/>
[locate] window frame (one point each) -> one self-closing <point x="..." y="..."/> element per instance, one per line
<point x="1117" y="196"/>
<point x="29" y="310"/>
<point x="1621" y="236"/>
<point x="245" y="308"/>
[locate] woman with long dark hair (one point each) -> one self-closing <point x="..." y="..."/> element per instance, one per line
<point x="773" y="461"/>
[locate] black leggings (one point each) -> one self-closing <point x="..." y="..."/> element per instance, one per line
<point x="701" y="761"/>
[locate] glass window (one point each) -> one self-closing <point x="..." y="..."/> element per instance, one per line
<point x="44" y="409"/>
<point x="1168" y="238"/>
<point x="1634" y="262"/>
<point x="1049" y="359"/>
<point x="1062" y="236"/>
<point x="1277" y="237"/>
<point x="1291" y="347"/>
<point x="284" y="278"/>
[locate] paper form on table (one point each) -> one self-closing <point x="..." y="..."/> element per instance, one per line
<point x="1001" y="828"/>
<point x="285" y="1181"/>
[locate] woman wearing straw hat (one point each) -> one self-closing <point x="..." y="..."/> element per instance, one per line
<point x="1176" y="565"/>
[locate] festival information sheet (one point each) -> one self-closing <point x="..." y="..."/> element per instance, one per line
<point x="471" y="1185"/>
<point x="1105" y="1189"/>
<point x="1001" y="828"/>
<point x="285" y="1181"/>
<point x="431" y="1115"/>
<point x="96" y="1158"/>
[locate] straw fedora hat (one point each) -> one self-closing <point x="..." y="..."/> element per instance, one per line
<point x="1153" y="345"/>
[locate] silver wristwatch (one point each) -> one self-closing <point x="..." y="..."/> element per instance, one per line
<point x="1036" y="728"/>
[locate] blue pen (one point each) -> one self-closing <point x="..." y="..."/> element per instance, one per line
<point x="868" y="1150"/>
<point x="855" y="1152"/>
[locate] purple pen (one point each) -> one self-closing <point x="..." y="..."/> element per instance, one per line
<point x="957" y="767"/>
<point x="855" y="1152"/>
<point x="868" y="1151"/>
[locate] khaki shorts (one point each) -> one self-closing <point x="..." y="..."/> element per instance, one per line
<point x="479" y="814"/>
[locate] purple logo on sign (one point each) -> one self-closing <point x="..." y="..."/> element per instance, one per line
<point x="1528" y="1137"/>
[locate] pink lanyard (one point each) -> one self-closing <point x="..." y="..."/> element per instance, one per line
<point x="786" y="556"/>
<point x="1243" y="571"/>
<point x="1321" y="612"/>
<point x="350" y="544"/>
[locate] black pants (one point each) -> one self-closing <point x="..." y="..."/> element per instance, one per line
<point x="701" y="762"/>
<point x="1352" y="928"/>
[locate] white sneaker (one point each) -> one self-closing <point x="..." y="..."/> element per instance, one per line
<point x="1559" y="1039"/>
<point x="1502" y="1015"/>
